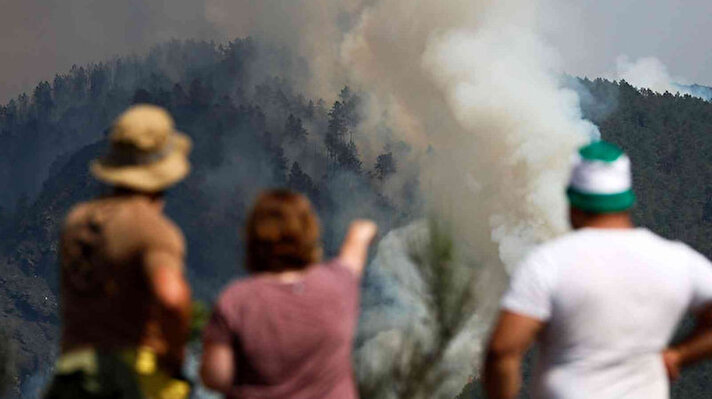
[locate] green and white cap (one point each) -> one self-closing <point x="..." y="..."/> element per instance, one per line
<point x="601" y="180"/>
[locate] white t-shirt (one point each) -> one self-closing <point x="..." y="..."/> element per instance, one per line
<point x="611" y="300"/>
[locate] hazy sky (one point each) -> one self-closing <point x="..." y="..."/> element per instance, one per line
<point x="675" y="31"/>
<point x="39" y="38"/>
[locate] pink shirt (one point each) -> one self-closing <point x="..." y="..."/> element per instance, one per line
<point x="291" y="340"/>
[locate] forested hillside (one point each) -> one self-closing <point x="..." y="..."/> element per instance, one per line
<point x="669" y="139"/>
<point x="252" y="128"/>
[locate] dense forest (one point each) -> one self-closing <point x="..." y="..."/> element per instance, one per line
<point x="252" y="128"/>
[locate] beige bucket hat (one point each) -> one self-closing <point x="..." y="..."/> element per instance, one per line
<point x="146" y="153"/>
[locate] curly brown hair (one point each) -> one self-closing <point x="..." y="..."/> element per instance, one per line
<point x="283" y="233"/>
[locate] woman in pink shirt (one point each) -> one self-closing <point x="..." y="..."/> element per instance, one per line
<point x="286" y="331"/>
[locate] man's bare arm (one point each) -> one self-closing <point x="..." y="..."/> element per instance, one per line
<point x="512" y="336"/>
<point x="172" y="293"/>
<point x="354" y="250"/>
<point x="696" y="347"/>
<point x="217" y="368"/>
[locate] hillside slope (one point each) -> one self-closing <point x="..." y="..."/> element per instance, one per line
<point x="252" y="129"/>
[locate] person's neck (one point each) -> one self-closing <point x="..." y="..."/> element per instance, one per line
<point x="609" y="221"/>
<point x="287" y="276"/>
<point x="154" y="200"/>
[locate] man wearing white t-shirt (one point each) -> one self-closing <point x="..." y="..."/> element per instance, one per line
<point x="602" y="301"/>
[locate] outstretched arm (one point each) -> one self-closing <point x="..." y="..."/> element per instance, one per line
<point x="696" y="347"/>
<point x="354" y="250"/>
<point x="513" y="335"/>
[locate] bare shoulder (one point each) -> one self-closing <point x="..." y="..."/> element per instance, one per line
<point x="77" y="214"/>
<point x="150" y="226"/>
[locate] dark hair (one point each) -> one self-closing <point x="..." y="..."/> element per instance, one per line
<point x="282" y="233"/>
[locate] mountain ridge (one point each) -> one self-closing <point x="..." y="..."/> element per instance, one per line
<point x="254" y="130"/>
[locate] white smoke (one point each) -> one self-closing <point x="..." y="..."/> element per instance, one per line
<point x="646" y="72"/>
<point x="473" y="81"/>
<point x="651" y="73"/>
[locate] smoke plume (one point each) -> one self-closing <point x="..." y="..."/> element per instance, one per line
<point x="647" y="72"/>
<point x="651" y="73"/>
<point x="472" y="80"/>
<point x="471" y="85"/>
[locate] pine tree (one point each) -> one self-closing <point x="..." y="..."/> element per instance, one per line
<point x="385" y="166"/>
<point x="301" y="182"/>
<point x="294" y="131"/>
<point x="338" y="139"/>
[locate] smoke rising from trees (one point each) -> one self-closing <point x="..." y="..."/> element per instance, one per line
<point x="41" y="37"/>
<point x="471" y="85"/>
<point x="470" y="79"/>
<point x="651" y="73"/>
<point x="476" y="90"/>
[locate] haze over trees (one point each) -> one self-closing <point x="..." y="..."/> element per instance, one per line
<point x="253" y="128"/>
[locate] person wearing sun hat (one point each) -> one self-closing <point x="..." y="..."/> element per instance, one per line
<point x="125" y="300"/>
<point x="602" y="301"/>
<point x="146" y="154"/>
